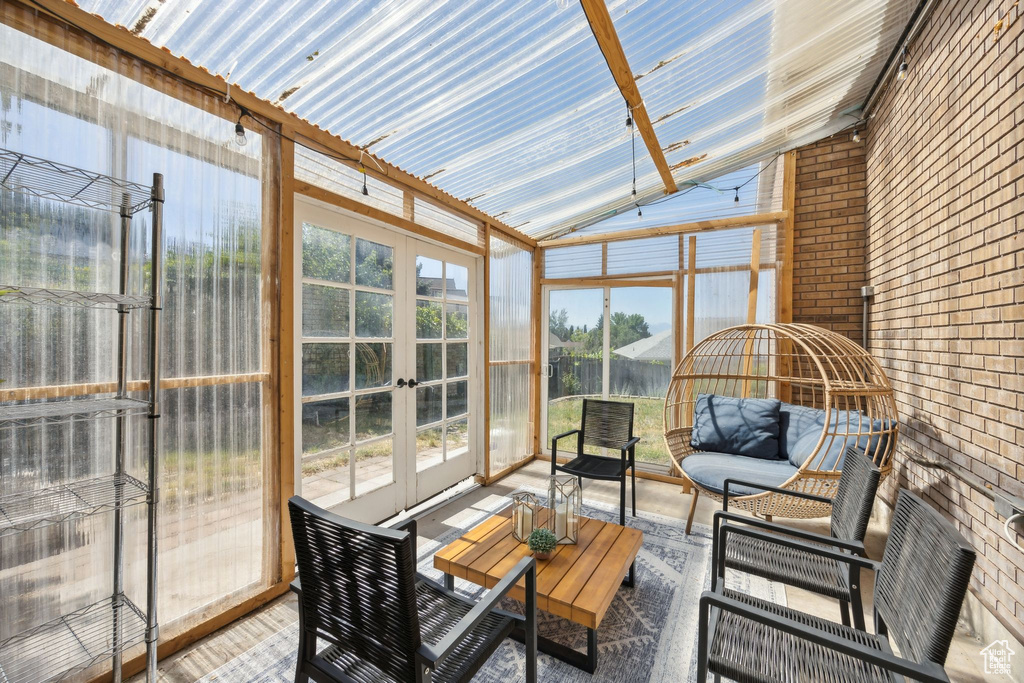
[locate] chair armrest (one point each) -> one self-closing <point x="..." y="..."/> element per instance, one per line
<point x="526" y="567"/>
<point x="554" y="446"/>
<point x="765" y="487"/>
<point x="853" y="546"/>
<point x="629" y="445"/>
<point x="296" y="586"/>
<point x="930" y="672"/>
<point x="854" y="560"/>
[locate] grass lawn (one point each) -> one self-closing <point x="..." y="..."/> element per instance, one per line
<point x="648" y="424"/>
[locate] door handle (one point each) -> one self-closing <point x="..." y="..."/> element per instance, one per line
<point x="400" y="383"/>
<point x="413" y="383"/>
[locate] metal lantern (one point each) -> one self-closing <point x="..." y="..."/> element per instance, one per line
<point x="565" y="498"/>
<point x="524" y="515"/>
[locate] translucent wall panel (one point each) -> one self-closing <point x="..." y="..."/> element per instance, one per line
<point x="511" y="276"/>
<point x="436" y="218"/>
<point x="650" y="255"/>
<point x="579" y="261"/>
<point x="213" y="528"/>
<point x="341" y="178"/>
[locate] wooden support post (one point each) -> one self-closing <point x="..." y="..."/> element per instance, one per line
<point x="785" y="293"/>
<point x="287" y="349"/>
<point x="487" y="351"/>
<point x="536" y="337"/>
<point x="755" y="267"/>
<point x="409" y="206"/>
<point x="691" y="291"/>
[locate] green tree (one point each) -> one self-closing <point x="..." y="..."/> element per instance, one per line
<point x="557" y="324"/>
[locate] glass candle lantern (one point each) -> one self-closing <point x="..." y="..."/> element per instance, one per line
<point x="524" y="515"/>
<point x="565" y="498"/>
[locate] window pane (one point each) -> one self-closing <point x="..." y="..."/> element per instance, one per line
<point x="428" y="276"/>
<point x="428" y="319"/>
<point x="458" y="360"/>
<point x="324" y="311"/>
<point x="456" y="282"/>
<point x="373" y="365"/>
<point x="457" y="321"/>
<point x="457" y="398"/>
<point x="373" y="415"/>
<point x="456" y="439"/>
<point x="325" y="254"/>
<point x="428" y="448"/>
<point x="374" y="264"/>
<point x="324" y="427"/>
<point x="428" y="404"/>
<point x="428" y="362"/>
<point x="374" y="466"/>
<point x="324" y="369"/>
<point x="373" y="314"/>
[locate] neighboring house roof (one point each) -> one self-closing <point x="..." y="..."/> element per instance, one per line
<point x="555" y="343"/>
<point x="655" y="347"/>
<point x="435" y="286"/>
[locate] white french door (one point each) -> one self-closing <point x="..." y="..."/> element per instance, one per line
<point x="388" y="368"/>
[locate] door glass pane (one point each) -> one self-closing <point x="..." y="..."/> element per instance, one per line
<point x="373" y="314"/>
<point x="429" y="448"/>
<point x="374" y="264"/>
<point x="458" y="360"/>
<point x="373" y="415"/>
<point x="457" y="321"/>
<point x="374" y="466"/>
<point x="640" y="362"/>
<point x="456" y="439"/>
<point x="457" y="398"/>
<point x="325" y="369"/>
<point x="428" y="362"/>
<point x="324" y="311"/>
<point x="373" y="365"/>
<point x="428" y="404"/>
<point x="429" y="277"/>
<point x="324" y="427"/>
<point x="428" y="319"/>
<point x="456" y="282"/>
<point x="325" y="254"/>
<point x="575" y="341"/>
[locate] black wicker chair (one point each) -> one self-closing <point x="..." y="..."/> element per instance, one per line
<point x="919" y="587"/>
<point x="605" y="424"/>
<point x="379" y="619"/>
<point x="851" y="511"/>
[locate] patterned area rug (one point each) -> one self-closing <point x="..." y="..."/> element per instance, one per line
<point x="648" y="634"/>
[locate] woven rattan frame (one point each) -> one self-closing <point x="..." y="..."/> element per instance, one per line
<point x="800" y="364"/>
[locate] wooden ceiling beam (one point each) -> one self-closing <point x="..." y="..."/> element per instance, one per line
<point x="140" y="48"/>
<point x="608" y="40"/>
<point x="680" y="228"/>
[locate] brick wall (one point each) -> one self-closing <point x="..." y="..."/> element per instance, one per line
<point x="945" y="181"/>
<point x="830" y="240"/>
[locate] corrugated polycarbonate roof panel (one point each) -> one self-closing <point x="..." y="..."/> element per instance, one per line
<point x="510" y="105"/>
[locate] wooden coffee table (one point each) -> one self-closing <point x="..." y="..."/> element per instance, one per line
<point x="577" y="583"/>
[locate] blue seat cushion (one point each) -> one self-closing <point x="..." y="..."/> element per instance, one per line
<point x="795" y="422"/>
<point x="833" y="451"/>
<point x="739" y="426"/>
<point x="710" y="470"/>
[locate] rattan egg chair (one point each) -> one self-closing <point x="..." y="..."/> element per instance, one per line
<point x="829" y="386"/>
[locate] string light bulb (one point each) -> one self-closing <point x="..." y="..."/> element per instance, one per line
<point x="639" y="213"/>
<point x="901" y="73"/>
<point x="240" y="130"/>
<point x="856" y="135"/>
<point x="366" y="192"/>
<point x="736" y="199"/>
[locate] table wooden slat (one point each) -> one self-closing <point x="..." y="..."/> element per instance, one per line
<point x="580" y="580"/>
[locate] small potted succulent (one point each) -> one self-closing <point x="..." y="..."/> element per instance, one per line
<point x="542" y="542"/>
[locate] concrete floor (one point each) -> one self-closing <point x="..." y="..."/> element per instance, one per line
<point x="963" y="664"/>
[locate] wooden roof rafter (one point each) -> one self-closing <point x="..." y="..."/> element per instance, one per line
<point x="608" y="40"/>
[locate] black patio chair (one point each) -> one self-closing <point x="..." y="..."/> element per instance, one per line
<point x="919" y="587"/>
<point x="604" y="424"/>
<point x="360" y="594"/>
<point x="851" y="511"/>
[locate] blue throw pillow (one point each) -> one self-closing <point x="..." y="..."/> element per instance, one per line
<point x="833" y="451"/>
<point x="796" y="422"/>
<point x="740" y="426"/>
